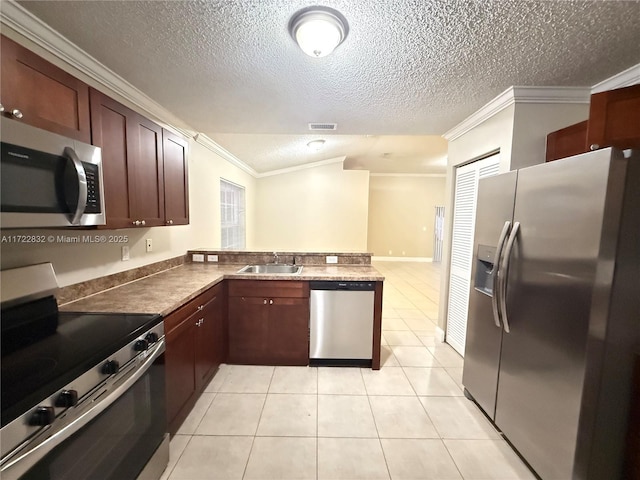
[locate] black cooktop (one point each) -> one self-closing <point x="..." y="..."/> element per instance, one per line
<point x="32" y="372"/>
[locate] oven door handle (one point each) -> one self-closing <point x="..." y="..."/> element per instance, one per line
<point x="17" y="464"/>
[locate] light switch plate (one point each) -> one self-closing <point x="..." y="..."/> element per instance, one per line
<point x="149" y="245"/>
<point x="125" y="253"/>
<point x="197" y="257"/>
<point x="332" y="259"/>
<point x="212" y="258"/>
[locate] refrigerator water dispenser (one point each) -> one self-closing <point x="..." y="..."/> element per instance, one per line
<point x="484" y="269"/>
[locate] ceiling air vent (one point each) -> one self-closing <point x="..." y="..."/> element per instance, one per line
<point x="323" y="126"/>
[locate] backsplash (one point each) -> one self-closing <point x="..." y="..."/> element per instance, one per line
<point x="243" y="257"/>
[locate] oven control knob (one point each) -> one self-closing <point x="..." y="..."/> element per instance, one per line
<point x="110" y="367"/>
<point x="151" y="337"/>
<point x="141" y="345"/>
<point x="42" y="416"/>
<point x="67" y="398"/>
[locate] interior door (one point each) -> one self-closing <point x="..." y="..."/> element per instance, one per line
<point x="464" y="214"/>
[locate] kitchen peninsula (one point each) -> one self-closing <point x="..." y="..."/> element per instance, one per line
<point x="214" y="314"/>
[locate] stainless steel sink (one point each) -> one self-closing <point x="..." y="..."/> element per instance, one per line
<point x="272" y="269"/>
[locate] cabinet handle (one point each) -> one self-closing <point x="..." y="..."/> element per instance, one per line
<point x="200" y="307"/>
<point x="1" y="108"/>
<point x="169" y="222"/>
<point x="264" y="301"/>
<point x="270" y="302"/>
<point x="594" y="146"/>
<point x="16" y="113"/>
<point x="143" y="222"/>
<point x="136" y="223"/>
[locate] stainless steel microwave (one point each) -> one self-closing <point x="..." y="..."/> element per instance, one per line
<point x="47" y="180"/>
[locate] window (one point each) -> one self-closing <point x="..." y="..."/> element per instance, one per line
<point x="232" y="215"/>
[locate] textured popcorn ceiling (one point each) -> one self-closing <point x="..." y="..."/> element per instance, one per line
<point x="408" y="67"/>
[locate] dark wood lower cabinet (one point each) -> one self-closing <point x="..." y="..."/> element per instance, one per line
<point x="196" y="344"/>
<point x="288" y="331"/>
<point x="180" y="378"/>
<point x="247" y="329"/>
<point x="268" y="322"/>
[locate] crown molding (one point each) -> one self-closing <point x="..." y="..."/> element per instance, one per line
<point x="515" y="94"/>
<point x="424" y="175"/>
<point x="626" y="78"/>
<point x="305" y="166"/>
<point x="212" y="146"/>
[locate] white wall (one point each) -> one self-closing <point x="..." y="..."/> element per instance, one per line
<point x="401" y="214"/>
<point x="324" y="208"/>
<point x="77" y="262"/>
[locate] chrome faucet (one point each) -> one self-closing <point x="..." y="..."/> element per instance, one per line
<point x="275" y="257"/>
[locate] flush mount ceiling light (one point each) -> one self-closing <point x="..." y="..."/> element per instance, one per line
<point x="318" y="30"/>
<point x="315" y="145"/>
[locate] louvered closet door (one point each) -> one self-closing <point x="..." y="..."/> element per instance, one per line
<point x="464" y="215"/>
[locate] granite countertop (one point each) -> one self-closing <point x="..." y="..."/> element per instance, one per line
<point x="167" y="291"/>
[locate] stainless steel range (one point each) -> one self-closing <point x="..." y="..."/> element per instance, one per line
<point x="83" y="394"/>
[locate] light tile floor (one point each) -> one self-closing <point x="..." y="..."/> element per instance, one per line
<point x="409" y="420"/>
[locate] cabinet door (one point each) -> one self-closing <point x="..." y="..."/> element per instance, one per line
<point x="145" y="144"/>
<point x="176" y="180"/>
<point x="247" y="329"/>
<point x="614" y="119"/>
<point x="566" y="142"/>
<point x="48" y="97"/>
<point x="179" y="363"/>
<point x="110" y="126"/>
<point x="288" y="332"/>
<point x="207" y="326"/>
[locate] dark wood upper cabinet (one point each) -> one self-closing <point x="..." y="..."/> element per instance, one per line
<point x="109" y="126"/>
<point x="148" y="169"/>
<point x="614" y="119"/>
<point x="42" y="94"/>
<point x="566" y="142"/>
<point x="132" y="163"/>
<point x="176" y="179"/>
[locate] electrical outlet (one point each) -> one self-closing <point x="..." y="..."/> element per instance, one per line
<point x="197" y="257"/>
<point x="149" y="245"/>
<point x="212" y="258"/>
<point x="332" y="259"/>
<point x="125" y="253"/>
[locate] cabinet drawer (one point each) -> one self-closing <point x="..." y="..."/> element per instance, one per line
<point x="190" y="308"/>
<point x="268" y="288"/>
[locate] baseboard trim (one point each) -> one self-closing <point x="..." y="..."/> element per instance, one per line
<point x="403" y="259"/>
<point x="439" y="335"/>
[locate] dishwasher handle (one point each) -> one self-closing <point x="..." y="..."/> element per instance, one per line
<point x="344" y="286"/>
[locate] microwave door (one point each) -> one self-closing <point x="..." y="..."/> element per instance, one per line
<point x="74" y="186"/>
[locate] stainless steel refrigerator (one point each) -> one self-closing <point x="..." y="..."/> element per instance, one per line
<point x="554" y="310"/>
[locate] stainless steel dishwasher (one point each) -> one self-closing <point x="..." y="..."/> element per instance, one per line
<point x="341" y="325"/>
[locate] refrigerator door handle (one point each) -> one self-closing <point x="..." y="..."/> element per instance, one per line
<point x="504" y="273"/>
<point x="495" y="270"/>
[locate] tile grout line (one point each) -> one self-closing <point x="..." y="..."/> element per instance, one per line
<point x="253" y="439"/>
